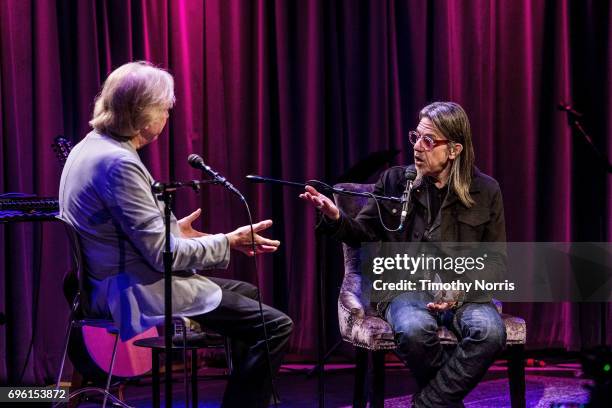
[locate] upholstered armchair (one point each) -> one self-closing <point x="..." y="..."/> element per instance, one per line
<point x="373" y="337"/>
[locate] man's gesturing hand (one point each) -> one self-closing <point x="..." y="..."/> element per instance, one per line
<point x="187" y="231"/>
<point x="321" y="202"/>
<point x="240" y="239"/>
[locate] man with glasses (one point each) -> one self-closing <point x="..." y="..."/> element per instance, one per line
<point x="452" y="201"/>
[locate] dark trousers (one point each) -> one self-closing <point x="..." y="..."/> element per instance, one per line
<point x="445" y="379"/>
<point x="238" y="318"/>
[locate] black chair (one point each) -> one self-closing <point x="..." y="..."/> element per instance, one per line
<point x="77" y="320"/>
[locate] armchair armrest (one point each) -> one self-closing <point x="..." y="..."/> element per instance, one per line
<point x="349" y="297"/>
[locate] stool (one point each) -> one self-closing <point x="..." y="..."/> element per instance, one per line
<point x="157" y="346"/>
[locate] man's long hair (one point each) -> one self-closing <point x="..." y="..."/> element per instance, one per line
<point x="450" y="119"/>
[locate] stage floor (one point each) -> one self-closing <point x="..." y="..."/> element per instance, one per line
<point x="555" y="383"/>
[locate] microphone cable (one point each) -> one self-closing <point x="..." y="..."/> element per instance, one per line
<point x="197" y="162"/>
<point x="261" y="314"/>
<point x="410" y="175"/>
<point x="406" y="202"/>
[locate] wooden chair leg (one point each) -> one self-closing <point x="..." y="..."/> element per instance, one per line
<point x="121" y="392"/>
<point x="378" y="380"/>
<point x="516" y="375"/>
<point x="361" y="371"/>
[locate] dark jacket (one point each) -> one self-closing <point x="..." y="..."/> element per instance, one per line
<point x="483" y="222"/>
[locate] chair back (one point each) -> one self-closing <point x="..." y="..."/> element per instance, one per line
<point x="358" y="321"/>
<point x="352" y="205"/>
<point x="74" y="289"/>
<point x="350" y="293"/>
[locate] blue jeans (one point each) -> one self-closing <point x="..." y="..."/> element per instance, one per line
<point x="445" y="379"/>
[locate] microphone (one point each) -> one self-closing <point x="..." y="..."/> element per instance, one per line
<point x="197" y="162"/>
<point x="562" y="106"/>
<point x="256" y="179"/>
<point x="411" y="175"/>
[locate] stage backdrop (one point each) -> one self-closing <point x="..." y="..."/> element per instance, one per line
<point x="300" y="90"/>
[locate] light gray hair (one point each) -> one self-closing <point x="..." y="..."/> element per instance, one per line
<point x="129" y="97"/>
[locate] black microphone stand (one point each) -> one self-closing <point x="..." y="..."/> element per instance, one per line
<point x="320" y="275"/>
<point x="165" y="192"/>
<point x="321" y="187"/>
<point x="573" y="120"/>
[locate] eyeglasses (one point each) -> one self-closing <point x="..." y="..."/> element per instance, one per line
<point x="426" y="141"/>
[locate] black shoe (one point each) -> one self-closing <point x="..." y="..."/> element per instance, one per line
<point x="417" y="395"/>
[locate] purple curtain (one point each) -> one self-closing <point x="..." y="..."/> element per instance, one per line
<point x="302" y="90"/>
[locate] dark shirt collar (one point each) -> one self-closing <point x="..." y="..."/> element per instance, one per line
<point x="419" y="182"/>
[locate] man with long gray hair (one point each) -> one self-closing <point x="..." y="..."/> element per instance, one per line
<point x="105" y="194"/>
<point x="452" y="201"/>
